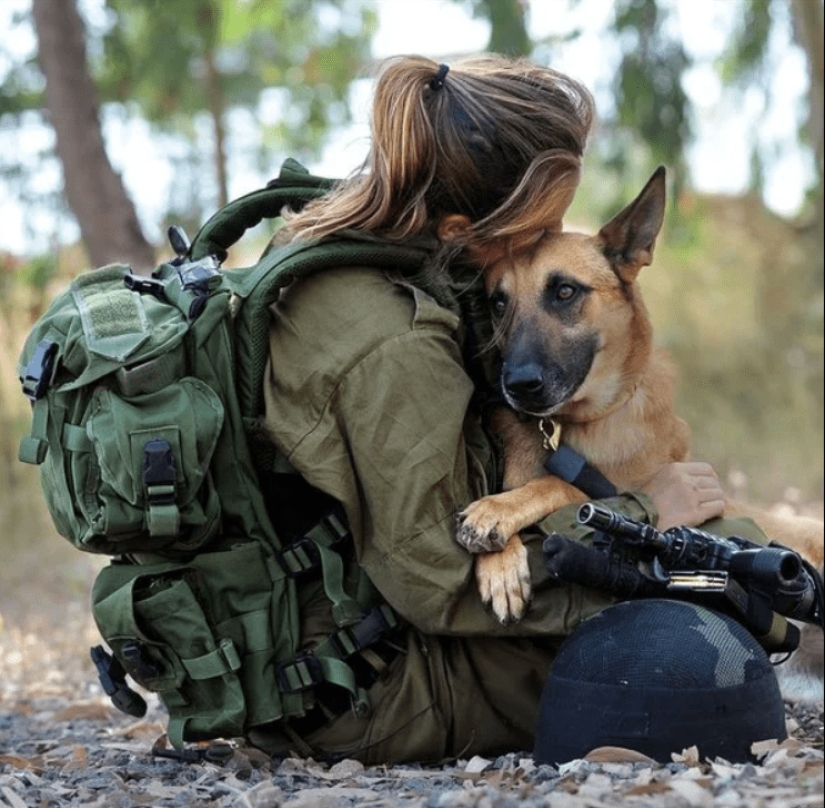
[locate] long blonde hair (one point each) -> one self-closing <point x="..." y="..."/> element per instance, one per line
<point x="499" y="140"/>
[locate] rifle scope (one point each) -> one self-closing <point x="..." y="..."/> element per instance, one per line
<point x="683" y="548"/>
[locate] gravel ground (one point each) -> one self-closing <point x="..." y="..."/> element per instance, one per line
<point x="62" y="744"/>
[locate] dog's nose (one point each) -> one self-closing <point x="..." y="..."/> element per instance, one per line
<point x="523" y="380"/>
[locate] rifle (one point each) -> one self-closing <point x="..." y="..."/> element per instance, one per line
<point x="760" y="586"/>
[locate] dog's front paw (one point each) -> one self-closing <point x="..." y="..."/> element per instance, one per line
<point x="479" y="527"/>
<point x="503" y="580"/>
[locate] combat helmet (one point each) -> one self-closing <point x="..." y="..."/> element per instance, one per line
<point x="659" y="676"/>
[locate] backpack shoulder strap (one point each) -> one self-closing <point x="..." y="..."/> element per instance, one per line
<point x="259" y="287"/>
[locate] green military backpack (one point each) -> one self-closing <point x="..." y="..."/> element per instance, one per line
<point x="146" y="403"/>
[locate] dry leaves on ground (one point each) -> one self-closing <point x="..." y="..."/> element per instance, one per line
<point x="62" y="744"/>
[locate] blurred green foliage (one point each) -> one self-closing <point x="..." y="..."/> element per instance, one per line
<point x="508" y="26"/>
<point x="38" y="271"/>
<point x="281" y="70"/>
<point x="174" y="64"/>
<point x="170" y="61"/>
<point x="649" y="93"/>
<point x="746" y="53"/>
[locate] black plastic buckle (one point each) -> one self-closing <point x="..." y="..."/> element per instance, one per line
<point x="179" y="240"/>
<point x="306" y="667"/>
<point x="113" y="681"/>
<point x="145" y="286"/>
<point x="141" y="666"/>
<point x="200" y="278"/>
<point x="40" y="370"/>
<point x="159" y="469"/>
<point x="366" y="632"/>
<point x="303" y="547"/>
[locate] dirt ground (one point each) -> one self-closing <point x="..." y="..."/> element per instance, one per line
<point x="63" y="744"/>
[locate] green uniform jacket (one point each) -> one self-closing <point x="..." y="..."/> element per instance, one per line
<point x="368" y="397"/>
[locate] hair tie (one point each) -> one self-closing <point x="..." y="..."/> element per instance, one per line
<point x="437" y="82"/>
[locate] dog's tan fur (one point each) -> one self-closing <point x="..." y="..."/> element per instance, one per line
<point x="620" y="417"/>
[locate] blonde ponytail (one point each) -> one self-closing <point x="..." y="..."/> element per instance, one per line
<point x="495" y="139"/>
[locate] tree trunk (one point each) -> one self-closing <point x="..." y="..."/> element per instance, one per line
<point x="508" y="26"/>
<point x="94" y="190"/>
<point x="808" y="30"/>
<point x="217" y="110"/>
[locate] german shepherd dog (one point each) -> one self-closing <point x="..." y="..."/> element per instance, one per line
<point x="578" y="359"/>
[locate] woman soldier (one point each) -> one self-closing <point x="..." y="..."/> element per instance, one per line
<point x="375" y="393"/>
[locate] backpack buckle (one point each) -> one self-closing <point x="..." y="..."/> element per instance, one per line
<point x="159" y="477"/>
<point x="159" y="471"/>
<point x="180" y="242"/>
<point x="40" y="370"/>
<point x="300" y="557"/>
<point x="303" y="555"/>
<point x="200" y="278"/>
<point x="113" y="681"/>
<point x="141" y="665"/>
<point x="145" y="286"/>
<point x="301" y="672"/>
<point x="376" y="624"/>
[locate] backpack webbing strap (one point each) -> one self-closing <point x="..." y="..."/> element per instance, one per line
<point x="33" y="447"/>
<point x="320" y="547"/>
<point x="222" y="660"/>
<point x="345" y="610"/>
<point x="327" y="661"/>
<point x="76" y="439"/>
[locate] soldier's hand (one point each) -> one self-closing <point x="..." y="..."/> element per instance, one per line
<point x="686" y="494"/>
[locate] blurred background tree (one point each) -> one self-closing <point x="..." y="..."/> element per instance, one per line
<point x="94" y="190"/>
<point x="178" y="65"/>
<point x="185" y="68"/>
<point x="223" y="90"/>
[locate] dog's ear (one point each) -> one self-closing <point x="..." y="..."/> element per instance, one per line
<point x="627" y="240"/>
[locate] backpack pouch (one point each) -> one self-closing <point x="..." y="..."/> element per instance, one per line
<point x="200" y="635"/>
<point x="145" y="484"/>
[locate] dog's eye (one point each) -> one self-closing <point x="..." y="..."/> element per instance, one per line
<point x="498" y="303"/>
<point x="565" y="292"/>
